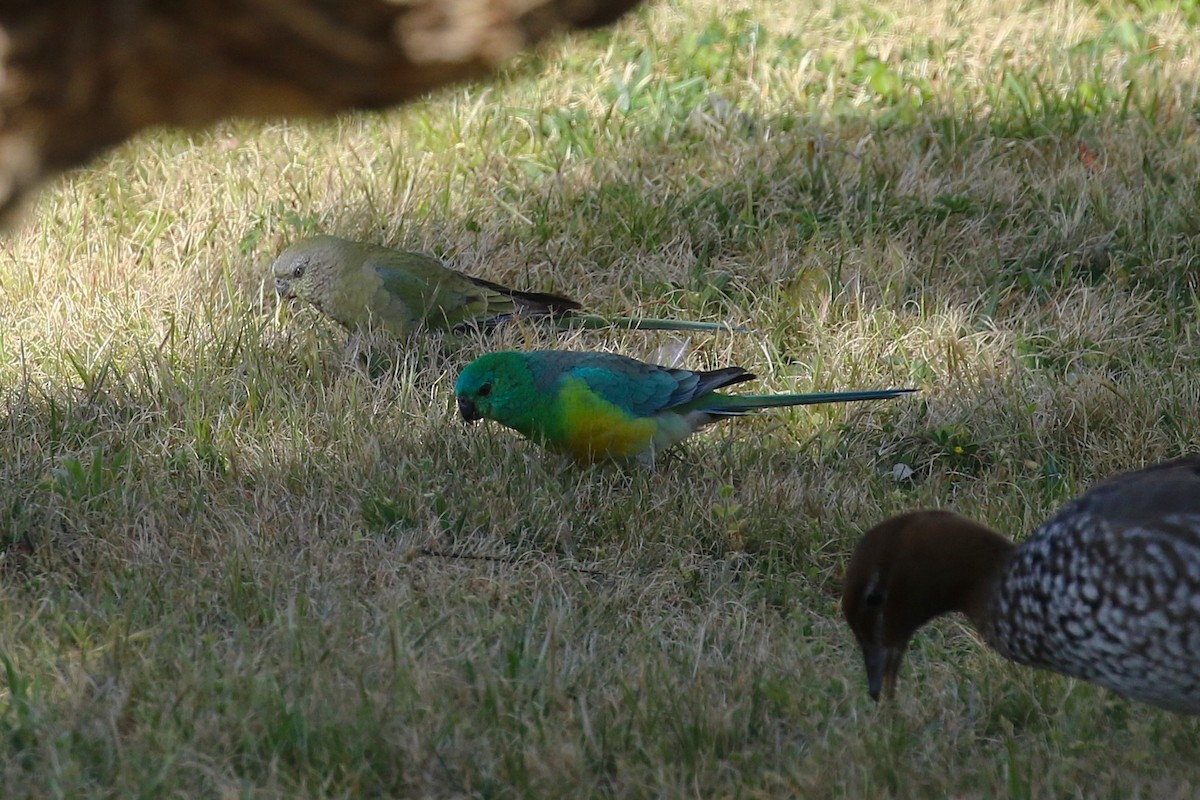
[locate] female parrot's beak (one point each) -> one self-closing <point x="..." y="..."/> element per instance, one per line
<point x="468" y="411"/>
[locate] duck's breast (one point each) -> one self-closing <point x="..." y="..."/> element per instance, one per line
<point x="1114" y="603"/>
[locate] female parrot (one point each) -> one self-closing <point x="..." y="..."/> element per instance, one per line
<point x="360" y="284"/>
<point x="603" y="406"/>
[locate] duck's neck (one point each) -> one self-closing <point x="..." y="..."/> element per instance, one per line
<point x="959" y="567"/>
<point x="986" y="561"/>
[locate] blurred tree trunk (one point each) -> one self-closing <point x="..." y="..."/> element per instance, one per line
<point x="77" y="76"/>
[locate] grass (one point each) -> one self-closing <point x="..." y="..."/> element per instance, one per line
<point x="239" y="563"/>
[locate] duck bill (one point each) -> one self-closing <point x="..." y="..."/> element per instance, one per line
<point x="883" y="665"/>
<point x="468" y="411"/>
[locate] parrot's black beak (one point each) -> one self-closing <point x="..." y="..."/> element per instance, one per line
<point x="468" y="411"/>
<point x="282" y="287"/>
<point x="883" y="665"/>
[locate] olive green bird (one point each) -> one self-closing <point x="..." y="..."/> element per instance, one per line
<point x="360" y="285"/>
<point x="607" y="407"/>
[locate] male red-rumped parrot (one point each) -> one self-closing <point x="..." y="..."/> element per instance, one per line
<point x="603" y="406"/>
<point x="360" y="284"/>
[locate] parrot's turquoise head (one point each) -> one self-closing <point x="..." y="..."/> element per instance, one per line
<point x="493" y="387"/>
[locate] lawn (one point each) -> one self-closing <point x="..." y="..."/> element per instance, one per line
<point x="244" y="556"/>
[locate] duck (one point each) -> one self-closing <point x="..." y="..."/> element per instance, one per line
<point x="1106" y="591"/>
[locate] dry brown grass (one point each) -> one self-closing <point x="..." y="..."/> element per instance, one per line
<point x="241" y="558"/>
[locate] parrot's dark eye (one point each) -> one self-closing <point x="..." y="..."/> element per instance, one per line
<point x="298" y="272"/>
<point x="484" y="390"/>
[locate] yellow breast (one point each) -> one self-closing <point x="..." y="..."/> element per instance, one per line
<point x="595" y="429"/>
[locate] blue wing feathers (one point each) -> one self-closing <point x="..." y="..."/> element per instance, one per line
<point x="644" y="390"/>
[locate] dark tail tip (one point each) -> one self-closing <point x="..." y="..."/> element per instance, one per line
<point x="543" y="303"/>
<point x="553" y="305"/>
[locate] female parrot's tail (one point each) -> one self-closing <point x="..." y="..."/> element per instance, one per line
<point x="593" y="321"/>
<point x="538" y="304"/>
<point x="564" y="310"/>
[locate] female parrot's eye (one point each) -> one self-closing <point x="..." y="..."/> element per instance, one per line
<point x="298" y="272"/>
<point x="485" y="390"/>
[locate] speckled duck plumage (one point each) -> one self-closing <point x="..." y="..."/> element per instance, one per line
<point x="1107" y="590"/>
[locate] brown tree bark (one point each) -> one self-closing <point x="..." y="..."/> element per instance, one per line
<point x="77" y="76"/>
